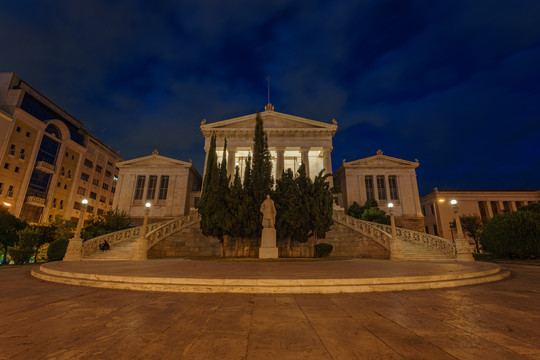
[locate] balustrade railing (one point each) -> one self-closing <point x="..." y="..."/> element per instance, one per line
<point x="367" y="228"/>
<point x="92" y="245"/>
<point x="156" y="235"/>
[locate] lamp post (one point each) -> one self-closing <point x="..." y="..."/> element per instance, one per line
<point x="141" y="248"/>
<point x="396" y="249"/>
<point x="74" y="249"/>
<point x="463" y="252"/>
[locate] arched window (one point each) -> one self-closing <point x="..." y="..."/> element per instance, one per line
<point x="54" y="131"/>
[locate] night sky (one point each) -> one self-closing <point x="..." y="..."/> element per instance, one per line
<point x="455" y="84"/>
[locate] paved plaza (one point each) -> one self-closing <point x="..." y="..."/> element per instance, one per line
<point x="44" y="320"/>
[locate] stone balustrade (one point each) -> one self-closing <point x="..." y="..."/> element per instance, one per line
<point x="364" y="227"/>
<point x="157" y="234"/>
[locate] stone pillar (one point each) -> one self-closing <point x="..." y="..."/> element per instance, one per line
<point x="141" y="246"/>
<point x="396" y="249"/>
<point x="305" y="159"/>
<point x="463" y="250"/>
<point x="280" y="161"/>
<point x="74" y="249"/>
<point x="231" y="163"/>
<point x="327" y="163"/>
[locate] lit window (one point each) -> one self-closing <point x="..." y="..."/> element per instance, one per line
<point x="163" y="187"/>
<point x="369" y="187"/>
<point x="393" y="185"/>
<point x="152" y="184"/>
<point x="139" y="189"/>
<point x="381" y="187"/>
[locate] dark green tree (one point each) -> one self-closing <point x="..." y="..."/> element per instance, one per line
<point x="25" y="246"/>
<point x="304" y="222"/>
<point x="287" y="199"/>
<point x="355" y="210"/>
<point x="369" y="212"/>
<point x="321" y="208"/>
<point x="249" y="211"/>
<point x="205" y="202"/>
<point x="534" y="207"/>
<point x="108" y="222"/>
<point x="472" y="226"/>
<point x="9" y="225"/>
<point x="262" y="167"/>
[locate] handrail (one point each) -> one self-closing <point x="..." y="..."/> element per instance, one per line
<point x="364" y="227"/>
<point x="92" y="245"/>
<point x="156" y="235"/>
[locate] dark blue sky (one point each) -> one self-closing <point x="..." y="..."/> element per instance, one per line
<point x="455" y="84"/>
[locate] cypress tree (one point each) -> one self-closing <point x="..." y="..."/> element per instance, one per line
<point x="209" y="174"/>
<point x="321" y="207"/>
<point x="262" y="167"/>
<point x="249" y="212"/>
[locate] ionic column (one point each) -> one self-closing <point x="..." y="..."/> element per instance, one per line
<point x="327" y="163"/>
<point x="205" y="161"/>
<point x="280" y="161"/>
<point x="231" y="162"/>
<point x="305" y="159"/>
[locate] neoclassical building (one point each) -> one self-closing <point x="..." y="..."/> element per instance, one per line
<point x="292" y="140"/>
<point x="385" y="179"/>
<point x="171" y="187"/>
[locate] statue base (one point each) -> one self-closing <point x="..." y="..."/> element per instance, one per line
<point x="268" y="249"/>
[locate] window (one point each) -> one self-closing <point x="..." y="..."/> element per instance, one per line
<point x="1" y="188"/>
<point x="18" y="129"/>
<point x="81" y="191"/>
<point x="93" y="195"/>
<point x="88" y="163"/>
<point x="72" y="157"/>
<point x="393" y="185"/>
<point x="424" y="210"/>
<point x="507" y="207"/>
<point x="107" y="173"/>
<point x="99" y="168"/>
<point x="152" y="183"/>
<point x="369" y="187"/>
<point x="432" y="209"/>
<point x="28" y="134"/>
<point x="435" y="232"/>
<point x="519" y="204"/>
<point x="105" y="186"/>
<point x="61" y="206"/>
<point x="139" y="189"/>
<point x="22" y="155"/>
<point x="54" y="203"/>
<point x="109" y="163"/>
<point x="163" y="187"/>
<point x="10" y="191"/>
<point x="62" y="172"/>
<point x="381" y="187"/>
<point x="6" y="166"/>
<point x="427" y="230"/>
<point x="110" y="202"/>
<point x="16" y="169"/>
<point x="113" y="190"/>
<point x="12" y="150"/>
<point x="495" y="207"/>
<point x="65" y="186"/>
<point x="95" y="182"/>
<point x="69" y="174"/>
<point x="100" y="211"/>
<point x="483" y="208"/>
<point x="59" y="184"/>
<point x="67" y="154"/>
<point x="85" y="176"/>
<point x="102" y="199"/>
<point x="89" y="209"/>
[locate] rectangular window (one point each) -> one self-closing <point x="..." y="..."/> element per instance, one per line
<point x="12" y="150"/>
<point x="393" y="185"/>
<point x="54" y="203"/>
<point x="18" y="129"/>
<point x="139" y="188"/>
<point x="432" y="209"/>
<point x="99" y="168"/>
<point x="1" y="188"/>
<point x="152" y="184"/>
<point x="85" y="176"/>
<point x="62" y="172"/>
<point x="369" y="187"/>
<point x="424" y="210"/>
<point x="16" y="169"/>
<point x="95" y="182"/>
<point x="10" y="191"/>
<point x="61" y="206"/>
<point x="22" y="155"/>
<point x="93" y="195"/>
<point x="69" y="174"/>
<point x="381" y="187"/>
<point x="89" y="209"/>
<point x="435" y="232"/>
<point x="163" y="187"/>
<point x="427" y="230"/>
<point x="506" y="205"/>
<point x="6" y="166"/>
<point x="88" y="163"/>
<point x="105" y="186"/>
<point x="483" y="208"/>
<point x="107" y="173"/>
<point x="495" y="207"/>
<point x="81" y="191"/>
<point x="102" y="199"/>
<point x="28" y="134"/>
<point x="113" y="190"/>
<point x="519" y="204"/>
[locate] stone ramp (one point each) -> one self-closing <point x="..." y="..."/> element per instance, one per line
<point x="285" y="277"/>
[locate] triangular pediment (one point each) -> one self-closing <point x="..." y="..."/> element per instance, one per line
<point x="381" y="161"/>
<point x="272" y="120"/>
<point x="153" y="161"/>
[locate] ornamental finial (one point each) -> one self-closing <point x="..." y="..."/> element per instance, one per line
<point x="155" y="152"/>
<point x="379" y="152"/>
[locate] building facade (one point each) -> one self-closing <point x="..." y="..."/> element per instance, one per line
<point x="49" y="162"/>
<point x="385" y="179"/>
<point x="438" y="212"/>
<point x="171" y="186"/>
<point x="292" y="140"/>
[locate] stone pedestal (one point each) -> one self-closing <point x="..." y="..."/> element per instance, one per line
<point x="268" y="249"/>
<point x="74" y="250"/>
<point x="463" y="250"/>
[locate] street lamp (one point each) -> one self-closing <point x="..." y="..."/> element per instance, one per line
<point x="74" y="249"/>
<point x="463" y="252"/>
<point x="141" y="247"/>
<point x="396" y="249"/>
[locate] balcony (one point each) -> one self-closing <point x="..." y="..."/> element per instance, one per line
<point x="35" y="201"/>
<point x="45" y="167"/>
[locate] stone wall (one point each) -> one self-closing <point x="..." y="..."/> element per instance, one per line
<point x="411" y="223"/>
<point x="190" y="242"/>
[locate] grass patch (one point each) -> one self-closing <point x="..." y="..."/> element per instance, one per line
<point x="492" y="258"/>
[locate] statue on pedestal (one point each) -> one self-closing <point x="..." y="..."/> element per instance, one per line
<point x="269" y="213"/>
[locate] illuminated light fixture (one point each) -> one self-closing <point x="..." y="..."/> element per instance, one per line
<point x="237" y="164"/>
<point x="6" y="204"/>
<point x="148" y="205"/>
<point x="115" y="178"/>
<point x="85" y="201"/>
<point x="390" y="205"/>
<point x="453" y="202"/>
<point x="441" y="200"/>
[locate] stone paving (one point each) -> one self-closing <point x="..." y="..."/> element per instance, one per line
<point x="43" y="320"/>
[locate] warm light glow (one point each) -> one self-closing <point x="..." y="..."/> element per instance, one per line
<point x="85" y="201"/>
<point x="6" y="204"/>
<point x="148" y="205"/>
<point x="441" y="200"/>
<point x="237" y="164"/>
<point x="453" y="202"/>
<point x="390" y="205"/>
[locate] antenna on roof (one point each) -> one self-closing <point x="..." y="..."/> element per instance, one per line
<point x="269" y="106"/>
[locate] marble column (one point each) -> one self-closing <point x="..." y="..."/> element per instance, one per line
<point x="327" y="163"/>
<point x="305" y="159"/>
<point x="280" y="161"/>
<point x="231" y="163"/>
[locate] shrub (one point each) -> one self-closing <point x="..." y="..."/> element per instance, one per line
<point x="25" y="247"/>
<point x="57" y="250"/>
<point x="514" y="235"/>
<point x="323" y="249"/>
